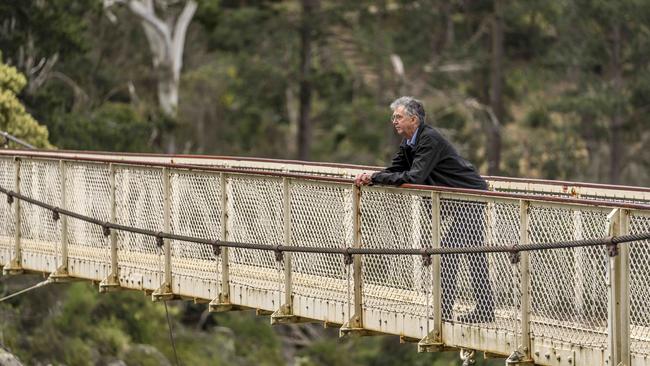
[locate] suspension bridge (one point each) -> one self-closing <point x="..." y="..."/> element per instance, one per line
<point x="567" y="264"/>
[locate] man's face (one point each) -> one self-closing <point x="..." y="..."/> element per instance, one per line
<point x="404" y="124"/>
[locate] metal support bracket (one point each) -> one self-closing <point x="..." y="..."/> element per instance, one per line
<point x="222" y="304"/>
<point x="284" y="315"/>
<point x="519" y="357"/>
<point x="618" y="320"/>
<point x="165" y="292"/>
<point x="15" y="264"/>
<point x="61" y="273"/>
<point x="354" y="328"/>
<point x="432" y="343"/>
<point x="111" y="283"/>
<point x="354" y="325"/>
<point x="522" y="356"/>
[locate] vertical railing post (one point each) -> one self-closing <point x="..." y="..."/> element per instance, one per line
<point x="285" y="313"/>
<point x="619" y="291"/>
<point x="354" y="325"/>
<point x="61" y="272"/>
<point x="15" y="264"/>
<point x="624" y="283"/>
<point x="111" y="282"/>
<point x="432" y="342"/>
<point x="164" y="292"/>
<point x="222" y="301"/>
<point x="523" y="355"/>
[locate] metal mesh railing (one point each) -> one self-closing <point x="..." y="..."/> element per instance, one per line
<point x="88" y="192"/>
<point x="639" y="279"/>
<point x="195" y="211"/>
<point x="7" y="216"/>
<point x="39" y="234"/>
<point x="324" y="222"/>
<point x="139" y="202"/>
<point x="569" y="294"/>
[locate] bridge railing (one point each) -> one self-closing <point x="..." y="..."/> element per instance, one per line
<point x="564" y="189"/>
<point x="553" y="306"/>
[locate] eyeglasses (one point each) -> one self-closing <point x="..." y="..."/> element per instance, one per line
<point x="396" y="117"/>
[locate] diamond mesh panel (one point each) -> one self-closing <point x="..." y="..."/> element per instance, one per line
<point x="639" y="289"/>
<point x="6" y="210"/>
<point x="569" y="286"/>
<point x="255" y="215"/>
<point x="321" y="216"/>
<point x="467" y="286"/>
<point x="139" y="203"/>
<point x="392" y="219"/>
<point x="40" y="180"/>
<point x="88" y="193"/>
<point x="195" y="211"/>
<point x="505" y="278"/>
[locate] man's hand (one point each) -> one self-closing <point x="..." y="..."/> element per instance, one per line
<point x="362" y="179"/>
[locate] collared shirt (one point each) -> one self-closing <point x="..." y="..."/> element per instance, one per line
<point x="411" y="142"/>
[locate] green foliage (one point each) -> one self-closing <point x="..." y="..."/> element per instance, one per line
<point x="110" y="127"/>
<point x="14" y="119"/>
<point x="240" y="95"/>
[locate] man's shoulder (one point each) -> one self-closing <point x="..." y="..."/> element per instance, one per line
<point x="431" y="135"/>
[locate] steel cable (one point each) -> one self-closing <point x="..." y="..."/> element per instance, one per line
<point x="512" y="249"/>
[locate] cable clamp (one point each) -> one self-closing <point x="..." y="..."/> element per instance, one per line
<point x="10" y="198"/>
<point x="514" y="254"/>
<point x="279" y="255"/>
<point x="216" y="249"/>
<point x="159" y="239"/>
<point x="106" y="229"/>
<point x="55" y="214"/>
<point x="426" y="257"/>
<point x="612" y="247"/>
<point x="347" y="257"/>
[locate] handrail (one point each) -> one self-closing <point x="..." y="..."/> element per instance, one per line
<point x="39" y="152"/>
<point x="511" y="195"/>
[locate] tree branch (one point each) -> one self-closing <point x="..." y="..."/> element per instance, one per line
<point x="145" y="11"/>
<point x="180" y="30"/>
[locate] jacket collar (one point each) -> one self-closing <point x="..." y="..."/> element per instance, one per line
<point x="417" y="135"/>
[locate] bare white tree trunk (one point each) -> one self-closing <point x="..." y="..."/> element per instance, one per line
<point x="166" y="39"/>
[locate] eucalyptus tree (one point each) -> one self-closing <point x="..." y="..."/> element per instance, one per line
<point x="165" y="29"/>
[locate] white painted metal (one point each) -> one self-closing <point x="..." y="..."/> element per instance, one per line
<point x="535" y="303"/>
<point x="530" y="186"/>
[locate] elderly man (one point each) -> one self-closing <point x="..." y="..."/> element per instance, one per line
<point x="426" y="157"/>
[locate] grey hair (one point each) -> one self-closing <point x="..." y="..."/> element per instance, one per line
<point x="411" y="105"/>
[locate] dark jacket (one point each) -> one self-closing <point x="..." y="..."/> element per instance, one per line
<point x="432" y="161"/>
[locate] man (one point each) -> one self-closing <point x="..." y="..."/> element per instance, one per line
<point x="426" y="157"/>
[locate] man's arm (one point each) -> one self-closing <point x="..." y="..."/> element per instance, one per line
<point x="399" y="162"/>
<point x="426" y="156"/>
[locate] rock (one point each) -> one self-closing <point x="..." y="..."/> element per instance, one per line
<point x="7" y="359"/>
<point x="116" y="363"/>
<point x="144" y="355"/>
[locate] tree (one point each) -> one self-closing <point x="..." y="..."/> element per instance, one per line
<point x="496" y="90"/>
<point x="309" y="14"/>
<point x="13" y="117"/>
<point x="166" y="38"/>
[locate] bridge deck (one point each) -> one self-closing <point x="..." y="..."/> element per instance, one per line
<point x="557" y="302"/>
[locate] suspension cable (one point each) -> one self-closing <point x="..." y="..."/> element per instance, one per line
<point x="171" y="333"/>
<point x="40" y="284"/>
<point x="8" y="137"/>
<point x="611" y="241"/>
